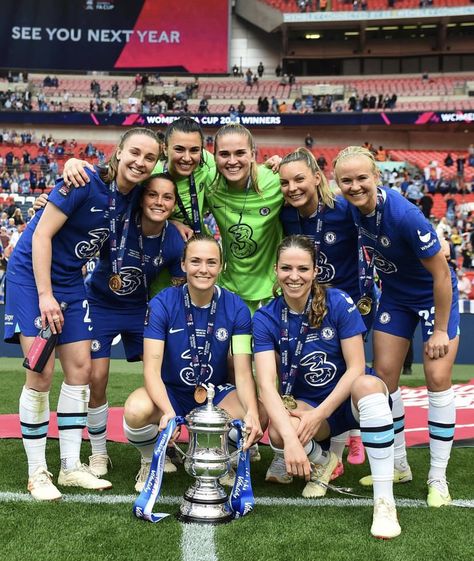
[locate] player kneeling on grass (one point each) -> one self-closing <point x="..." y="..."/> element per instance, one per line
<point x="317" y="334"/>
<point x="188" y="337"/>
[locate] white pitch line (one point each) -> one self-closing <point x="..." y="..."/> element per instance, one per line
<point x="10" y="497"/>
<point x="197" y="542"/>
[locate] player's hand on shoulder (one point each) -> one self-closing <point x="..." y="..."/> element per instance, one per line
<point x="74" y="172"/>
<point x="40" y="202"/>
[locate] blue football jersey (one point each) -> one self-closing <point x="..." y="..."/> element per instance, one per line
<point x="84" y="233"/>
<point x="321" y="363"/>
<point x="337" y="259"/>
<point x="405" y="237"/>
<point x="167" y="322"/>
<point x="132" y="293"/>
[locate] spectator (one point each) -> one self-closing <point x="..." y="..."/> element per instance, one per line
<point x="241" y="107"/>
<point x="18" y="217"/>
<point x="309" y="141"/>
<point x="470" y="155"/>
<point x="464" y="285"/>
<point x="381" y="154"/>
<point x="203" y="106"/>
<point x="322" y="162"/>
<point x="248" y="77"/>
<point x="260" y="69"/>
<point x="460" y="163"/>
<point x="426" y="204"/>
<point x="448" y="161"/>
<point x="274" y="104"/>
<point x="278" y="70"/>
<point x="466" y="254"/>
<point x="231" y="108"/>
<point x="282" y="108"/>
<point x="235" y="70"/>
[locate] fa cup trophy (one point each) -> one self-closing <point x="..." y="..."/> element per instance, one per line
<point x="207" y="459"/>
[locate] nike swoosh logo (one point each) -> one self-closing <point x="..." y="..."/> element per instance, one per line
<point x="175" y="330"/>
<point x="93" y="209"/>
<point x="348" y="299"/>
<point x="379" y="438"/>
<point x="424" y="237"/>
<point x="90" y="328"/>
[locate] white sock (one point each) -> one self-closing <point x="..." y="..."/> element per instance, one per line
<point x="97" y="428"/>
<point x="338" y="443"/>
<point x="441" y="424"/>
<point x="354" y="433"/>
<point x="72" y="417"/>
<point x="34" y="421"/>
<point x="233" y="437"/>
<point x="316" y="455"/>
<point x="398" y="412"/>
<point x="376" y="427"/>
<point x="143" y="439"/>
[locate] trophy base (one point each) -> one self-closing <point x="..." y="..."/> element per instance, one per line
<point x="216" y="511"/>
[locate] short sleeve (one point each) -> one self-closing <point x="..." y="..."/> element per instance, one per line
<point x="263" y="338"/>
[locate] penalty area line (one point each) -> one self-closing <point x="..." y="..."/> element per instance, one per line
<point x="12" y="497"/>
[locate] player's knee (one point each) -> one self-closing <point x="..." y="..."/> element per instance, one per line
<point x="136" y="412"/>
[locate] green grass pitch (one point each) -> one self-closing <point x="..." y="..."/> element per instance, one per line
<point x="101" y="527"/>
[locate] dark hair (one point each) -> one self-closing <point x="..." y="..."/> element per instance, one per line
<point x="236" y="128"/>
<point x="202" y="238"/>
<point x="186" y="125"/>
<point x="163" y="175"/>
<point x="109" y="172"/>
<point x="318" y="292"/>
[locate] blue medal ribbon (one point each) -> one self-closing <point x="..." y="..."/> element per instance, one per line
<point x="366" y="261"/>
<point x="200" y="363"/>
<point x="241" y="500"/>
<point x="159" y="258"/>
<point x="142" y="507"/>
<point x="289" y="371"/>
<point x="317" y="235"/>
<point x="117" y="252"/>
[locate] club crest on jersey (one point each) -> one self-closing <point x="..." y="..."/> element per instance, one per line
<point x="385" y="241"/>
<point x="330" y="238"/>
<point x="95" y="346"/>
<point x="222" y="334"/>
<point x="327" y="333"/>
<point x="37" y="322"/>
<point x="157" y="261"/>
<point x="385" y="317"/>
<point x="264" y="211"/>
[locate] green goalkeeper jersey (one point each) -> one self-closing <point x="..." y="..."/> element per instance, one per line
<point x="203" y="175"/>
<point x="250" y="230"/>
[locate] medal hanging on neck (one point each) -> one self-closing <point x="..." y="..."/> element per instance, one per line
<point x="367" y="261"/>
<point x="157" y="261"/>
<point x="199" y="361"/>
<point x="289" y="369"/>
<point x="117" y="251"/>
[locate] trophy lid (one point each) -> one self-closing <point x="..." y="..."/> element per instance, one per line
<point x="208" y="415"/>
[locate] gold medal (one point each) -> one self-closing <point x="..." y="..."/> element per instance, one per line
<point x="115" y="283"/>
<point x="289" y="402"/>
<point x="364" y="305"/>
<point x="200" y="394"/>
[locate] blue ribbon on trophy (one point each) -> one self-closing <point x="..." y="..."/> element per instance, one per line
<point x="142" y="507"/>
<point x="241" y="499"/>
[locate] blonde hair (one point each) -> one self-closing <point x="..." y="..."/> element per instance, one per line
<point x="354" y="151"/>
<point x="236" y="128"/>
<point x="318" y="292"/>
<point x="304" y="155"/>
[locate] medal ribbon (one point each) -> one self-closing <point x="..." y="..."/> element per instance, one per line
<point x="199" y="362"/>
<point x="195" y="222"/>
<point x="159" y="258"/>
<point x="366" y="262"/>
<point x="117" y="253"/>
<point x="289" y="371"/>
<point x="317" y="235"/>
<point x="241" y="500"/>
<point x="142" y="507"/>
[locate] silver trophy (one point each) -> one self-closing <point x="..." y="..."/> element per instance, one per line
<point x="207" y="460"/>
